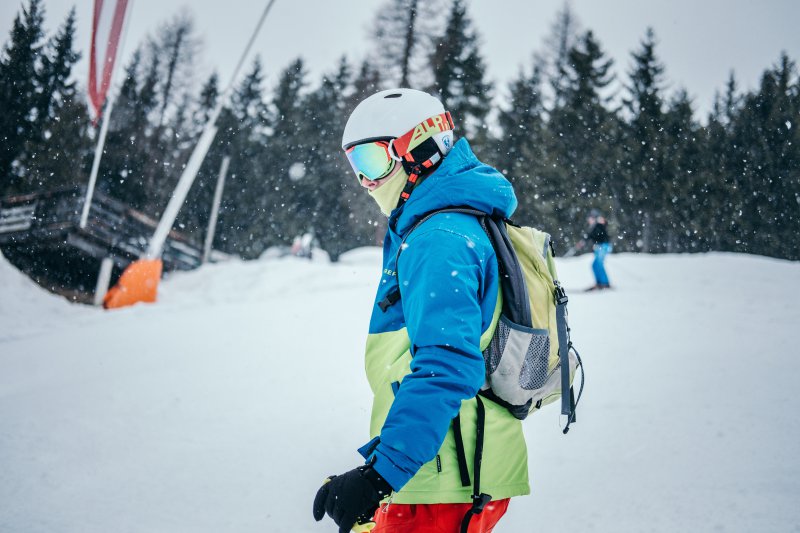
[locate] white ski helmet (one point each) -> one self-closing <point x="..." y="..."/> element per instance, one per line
<point x="393" y="113"/>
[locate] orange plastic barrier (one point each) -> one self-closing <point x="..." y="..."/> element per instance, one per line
<point x="138" y="283"/>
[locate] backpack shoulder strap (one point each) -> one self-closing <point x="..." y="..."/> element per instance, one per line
<point x="516" y="302"/>
<point x="516" y="305"/>
<point x="394" y="296"/>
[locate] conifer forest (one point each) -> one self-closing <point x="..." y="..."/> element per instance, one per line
<point x="570" y="132"/>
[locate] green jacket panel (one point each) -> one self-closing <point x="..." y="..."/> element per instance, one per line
<point x="504" y="471"/>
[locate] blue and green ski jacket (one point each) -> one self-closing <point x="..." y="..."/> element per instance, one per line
<point x="424" y="357"/>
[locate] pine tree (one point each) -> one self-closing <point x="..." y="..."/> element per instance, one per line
<point x="719" y="189"/>
<point x="732" y="102"/>
<point x="286" y="146"/>
<point x="208" y="99"/>
<point x="126" y="159"/>
<point x="582" y="144"/>
<point x="172" y="52"/>
<point x="646" y="146"/>
<point x="680" y="227"/>
<point x="521" y="148"/>
<point x="246" y="219"/>
<point x="401" y="34"/>
<point x="768" y="163"/>
<point x="54" y="77"/>
<point x="562" y="38"/>
<point x="460" y="76"/>
<point x="646" y="85"/>
<point x="327" y="180"/>
<point x="57" y="152"/>
<point x="19" y="68"/>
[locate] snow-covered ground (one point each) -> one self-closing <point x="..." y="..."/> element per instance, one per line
<point x="222" y="407"/>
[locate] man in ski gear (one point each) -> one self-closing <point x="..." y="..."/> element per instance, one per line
<point x="423" y="356"/>
<point x="597" y="233"/>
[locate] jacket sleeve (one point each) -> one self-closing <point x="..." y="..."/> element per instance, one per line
<point x="442" y="281"/>
<point x="595" y="233"/>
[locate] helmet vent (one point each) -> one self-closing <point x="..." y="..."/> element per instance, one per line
<point x="393" y="95"/>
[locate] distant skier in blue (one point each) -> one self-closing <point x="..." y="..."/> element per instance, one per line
<point x="598" y="234"/>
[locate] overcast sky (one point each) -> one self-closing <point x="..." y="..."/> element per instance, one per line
<point x="700" y="41"/>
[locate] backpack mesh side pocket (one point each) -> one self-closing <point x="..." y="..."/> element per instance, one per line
<point x="517" y="361"/>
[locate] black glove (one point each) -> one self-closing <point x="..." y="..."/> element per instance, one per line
<point x="351" y="498"/>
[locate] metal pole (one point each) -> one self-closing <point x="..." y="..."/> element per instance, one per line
<point x="98" y="153"/>
<point x="101" y="141"/>
<point x="212" y="222"/>
<point x="103" y="280"/>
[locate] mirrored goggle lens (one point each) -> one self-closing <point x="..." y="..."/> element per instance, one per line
<point x="370" y="160"/>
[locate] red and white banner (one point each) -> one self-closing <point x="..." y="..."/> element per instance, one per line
<point x="107" y="23"/>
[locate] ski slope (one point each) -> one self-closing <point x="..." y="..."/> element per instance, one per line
<point x="222" y="407"/>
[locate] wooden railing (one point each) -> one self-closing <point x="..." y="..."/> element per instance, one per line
<point x="52" y="219"/>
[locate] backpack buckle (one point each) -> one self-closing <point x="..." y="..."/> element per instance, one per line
<point x="560" y="295"/>
<point x="479" y="502"/>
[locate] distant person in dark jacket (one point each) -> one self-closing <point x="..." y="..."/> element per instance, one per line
<point x="598" y="234"/>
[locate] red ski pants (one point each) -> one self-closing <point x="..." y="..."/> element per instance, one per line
<point x="436" y="518"/>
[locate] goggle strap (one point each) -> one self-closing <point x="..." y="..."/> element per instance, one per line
<point x="414" y="176"/>
<point x="436" y="124"/>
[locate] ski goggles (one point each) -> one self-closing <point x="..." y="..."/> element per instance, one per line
<point x="371" y="160"/>
<point x="375" y="160"/>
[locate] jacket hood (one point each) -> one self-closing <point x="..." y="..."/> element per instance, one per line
<point x="461" y="180"/>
